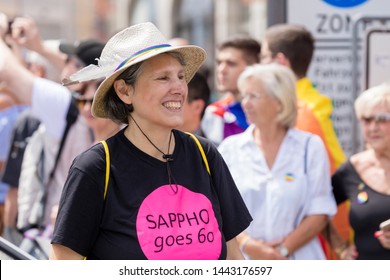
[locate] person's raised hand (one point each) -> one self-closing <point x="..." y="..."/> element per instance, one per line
<point x="25" y="32"/>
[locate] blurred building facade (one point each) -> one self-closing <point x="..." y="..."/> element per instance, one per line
<point x="202" y="22"/>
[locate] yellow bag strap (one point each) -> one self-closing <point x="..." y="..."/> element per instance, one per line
<point x="107" y="151"/>
<point x="201" y="151"/>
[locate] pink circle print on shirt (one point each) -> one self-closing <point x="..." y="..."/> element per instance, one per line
<point x="178" y="225"/>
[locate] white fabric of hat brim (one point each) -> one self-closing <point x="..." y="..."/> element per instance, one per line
<point x="193" y="58"/>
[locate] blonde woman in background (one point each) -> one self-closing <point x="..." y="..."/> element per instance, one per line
<point x="364" y="179"/>
<point x="281" y="172"/>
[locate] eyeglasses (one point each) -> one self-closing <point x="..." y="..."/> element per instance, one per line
<point x="252" y="96"/>
<point x="378" y="118"/>
<point x="81" y="102"/>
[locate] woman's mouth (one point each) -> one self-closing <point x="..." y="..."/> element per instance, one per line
<point x="172" y="105"/>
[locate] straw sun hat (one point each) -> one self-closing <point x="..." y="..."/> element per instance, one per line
<point x="128" y="47"/>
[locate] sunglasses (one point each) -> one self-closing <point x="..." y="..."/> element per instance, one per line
<point x="378" y="118"/>
<point x="75" y="60"/>
<point x="81" y="102"/>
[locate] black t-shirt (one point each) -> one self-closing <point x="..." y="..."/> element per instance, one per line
<point x="368" y="209"/>
<point x="23" y="128"/>
<point x="143" y="216"/>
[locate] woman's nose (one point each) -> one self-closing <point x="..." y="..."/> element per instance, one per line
<point x="180" y="85"/>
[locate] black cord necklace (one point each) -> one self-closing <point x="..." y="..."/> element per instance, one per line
<point x="167" y="157"/>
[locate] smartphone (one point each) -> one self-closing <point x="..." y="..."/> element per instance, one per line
<point x="385" y="225"/>
<point x="9" y="32"/>
<point x="10" y="22"/>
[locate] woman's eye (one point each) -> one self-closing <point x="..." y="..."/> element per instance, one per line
<point x="163" y="78"/>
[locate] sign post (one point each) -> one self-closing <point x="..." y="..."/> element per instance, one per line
<point x="334" y="62"/>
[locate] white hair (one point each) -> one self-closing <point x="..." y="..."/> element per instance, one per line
<point x="372" y="97"/>
<point x="279" y="83"/>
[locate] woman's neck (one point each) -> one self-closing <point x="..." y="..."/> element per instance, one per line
<point x="269" y="134"/>
<point x="374" y="169"/>
<point x="381" y="158"/>
<point x="269" y="141"/>
<point x="382" y="155"/>
<point x="109" y="129"/>
<point x="154" y="142"/>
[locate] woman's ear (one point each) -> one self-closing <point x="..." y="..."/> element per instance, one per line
<point x="280" y="108"/>
<point x="198" y="106"/>
<point x="124" y="91"/>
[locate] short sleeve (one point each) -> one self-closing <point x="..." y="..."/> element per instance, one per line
<point x="339" y="182"/>
<point x="319" y="184"/>
<point x="81" y="204"/>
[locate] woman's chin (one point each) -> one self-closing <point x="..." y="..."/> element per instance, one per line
<point x="176" y="122"/>
<point x="91" y="121"/>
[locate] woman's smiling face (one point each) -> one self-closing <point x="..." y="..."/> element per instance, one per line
<point x="160" y="92"/>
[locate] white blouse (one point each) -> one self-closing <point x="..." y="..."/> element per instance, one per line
<point x="279" y="198"/>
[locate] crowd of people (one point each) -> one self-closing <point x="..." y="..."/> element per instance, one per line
<point x="112" y="150"/>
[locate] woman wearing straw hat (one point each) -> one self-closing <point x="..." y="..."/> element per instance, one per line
<point x="152" y="193"/>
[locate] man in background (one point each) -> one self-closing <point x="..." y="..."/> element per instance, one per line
<point x="195" y="105"/>
<point x="226" y="117"/>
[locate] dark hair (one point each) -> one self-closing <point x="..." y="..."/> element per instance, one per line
<point x="115" y="108"/>
<point x="295" y="42"/>
<point x="250" y="48"/>
<point x="198" y="88"/>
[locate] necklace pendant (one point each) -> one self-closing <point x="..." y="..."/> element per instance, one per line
<point x="362" y="196"/>
<point x="168" y="157"/>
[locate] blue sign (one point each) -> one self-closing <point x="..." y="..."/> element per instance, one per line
<point x="345" y="3"/>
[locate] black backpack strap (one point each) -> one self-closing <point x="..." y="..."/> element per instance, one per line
<point x="71" y="118"/>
